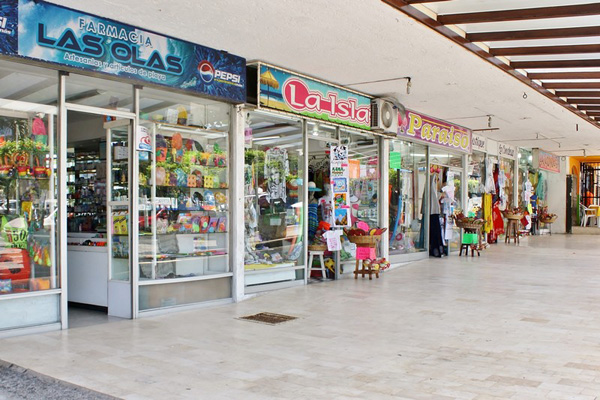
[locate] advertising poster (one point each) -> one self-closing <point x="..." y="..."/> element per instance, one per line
<point x="548" y="161"/>
<point x="297" y="94"/>
<point x="47" y="32"/>
<point x="339" y="180"/>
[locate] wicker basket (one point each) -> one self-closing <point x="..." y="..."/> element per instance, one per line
<point x="509" y="215"/>
<point x="367" y="239"/>
<point x="317" y="247"/>
<point x="469" y="225"/>
<point x="548" y="220"/>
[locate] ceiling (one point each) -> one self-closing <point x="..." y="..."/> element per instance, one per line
<point x="358" y="41"/>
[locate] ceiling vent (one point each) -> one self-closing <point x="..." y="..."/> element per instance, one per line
<point x="384" y="116"/>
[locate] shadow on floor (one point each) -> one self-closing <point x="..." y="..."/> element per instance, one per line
<point x="81" y="316"/>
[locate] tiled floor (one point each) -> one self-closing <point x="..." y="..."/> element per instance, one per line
<point x="519" y="322"/>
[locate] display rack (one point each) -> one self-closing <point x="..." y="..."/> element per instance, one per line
<point x="184" y="203"/>
<point x="86" y="182"/>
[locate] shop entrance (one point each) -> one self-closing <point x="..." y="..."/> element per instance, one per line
<point x="320" y="210"/>
<point x="445" y="197"/>
<point x="98" y="223"/>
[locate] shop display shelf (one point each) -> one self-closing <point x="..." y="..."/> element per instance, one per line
<point x="265" y="268"/>
<point x="273" y="240"/>
<point x="183" y="257"/>
<point x="185" y="187"/>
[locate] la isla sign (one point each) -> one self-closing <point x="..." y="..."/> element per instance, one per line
<point x="298" y="94"/>
<point x="300" y="98"/>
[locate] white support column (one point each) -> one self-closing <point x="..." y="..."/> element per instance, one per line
<point x="464" y="185"/>
<point x="427" y="200"/>
<point x="516" y="186"/>
<point x="62" y="199"/>
<point x="236" y="201"/>
<point x="134" y="193"/>
<point x="382" y="197"/>
<point x="305" y="151"/>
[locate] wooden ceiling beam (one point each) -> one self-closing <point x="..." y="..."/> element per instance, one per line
<point x="579" y="101"/>
<point x="589" y="108"/>
<point x="424" y="1"/>
<point x="578" y="93"/>
<point x="587" y="31"/>
<point x="571" y="85"/>
<point x="541" y="50"/>
<point x="521" y="14"/>
<point x="555" y="64"/>
<point x="425" y="19"/>
<point x="564" y="75"/>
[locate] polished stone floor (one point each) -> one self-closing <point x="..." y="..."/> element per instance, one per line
<point x="519" y="322"/>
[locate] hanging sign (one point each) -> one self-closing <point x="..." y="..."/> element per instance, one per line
<point x="479" y="143"/>
<point x="434" y="131"/>
<point x="47" y="32"/>
<point x="142" y="138"/>
<point x="299" y="94"/>
<point x="548" y="161"/>
<point x="340" y="185"/>
<point x="395" y="160"/>
<point x="507" y="151"/>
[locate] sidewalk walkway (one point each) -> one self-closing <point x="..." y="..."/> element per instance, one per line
<point x="519" y="322"/>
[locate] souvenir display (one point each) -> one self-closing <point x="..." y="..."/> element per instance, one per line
<point x="191" y="180"/>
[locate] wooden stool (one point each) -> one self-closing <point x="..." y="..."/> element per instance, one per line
<point x="322" y="268"/>
<point x="370" y="242"/>
<point x="512" y="231"/>
<point x="474" y="247"/>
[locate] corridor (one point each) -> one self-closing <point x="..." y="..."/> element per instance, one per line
<point x="519" y="322"/>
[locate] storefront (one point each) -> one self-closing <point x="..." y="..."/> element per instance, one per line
<point x="297" y="124"/>
<point x="107" y="144"/>
<point x="428" y="184"/>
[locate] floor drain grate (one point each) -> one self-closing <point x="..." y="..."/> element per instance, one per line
<point x="269" y="318"/>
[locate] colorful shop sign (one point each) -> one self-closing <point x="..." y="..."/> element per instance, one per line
<point x="507" y="151"/>
<point x="548" y="161"/>
<point x="434" y="131"/>
<point x="47" y="32"/>
<point x="298" y="94"/>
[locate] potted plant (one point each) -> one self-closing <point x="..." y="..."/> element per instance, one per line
<point x="39" y="153"/>
<point x="7" y="150"/>
<point x="23" y="150"/>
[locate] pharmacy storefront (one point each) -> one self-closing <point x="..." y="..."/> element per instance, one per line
<point x="115" y="168"/>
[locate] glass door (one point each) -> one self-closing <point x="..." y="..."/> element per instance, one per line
<point x="119" y="224"/>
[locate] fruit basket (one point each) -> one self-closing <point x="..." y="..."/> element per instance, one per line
<point x="515" y="214"/>
<point x="548" y="219"/>
<point x="363" y="238"/>
<point x="468" y="223"/>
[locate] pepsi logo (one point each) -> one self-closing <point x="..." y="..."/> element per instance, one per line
<point x="206" y="71"/>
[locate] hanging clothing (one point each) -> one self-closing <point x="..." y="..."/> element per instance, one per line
<point x="498" y="220"/>
<point x="489" y="187"/>
<point x="487" y="213"/>
<point x="434" y="202"/>
<point x="541" y="187"/>
<point x="436" y="241"/>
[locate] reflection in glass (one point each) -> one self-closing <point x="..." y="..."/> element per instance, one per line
<point x="273" y="199"/>
<point x="407" y="179"/>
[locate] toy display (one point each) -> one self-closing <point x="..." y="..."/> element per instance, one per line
<point x="190" y="179"/>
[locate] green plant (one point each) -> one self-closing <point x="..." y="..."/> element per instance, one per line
<point x="252" y="156"/>
<point x="7" y="149"/>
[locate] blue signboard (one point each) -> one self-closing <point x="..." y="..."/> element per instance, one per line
<point x="47" y="32"/>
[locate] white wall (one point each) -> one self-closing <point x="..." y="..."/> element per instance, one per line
<point x="556" y="198"/>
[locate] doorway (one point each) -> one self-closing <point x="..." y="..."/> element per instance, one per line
<point x="319" y="206"/>
<point x="98" y="225"/>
